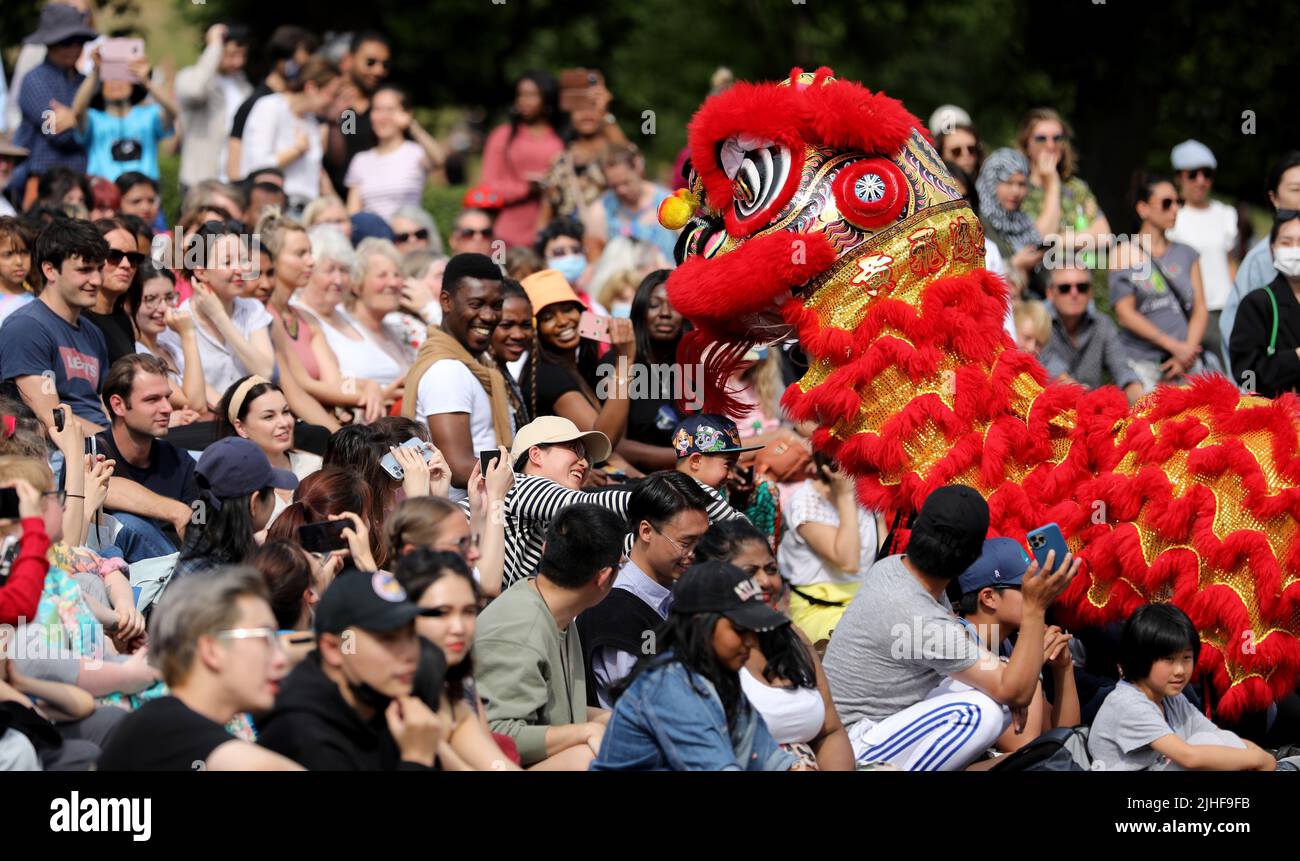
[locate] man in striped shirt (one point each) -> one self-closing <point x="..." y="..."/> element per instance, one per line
<point x="551" y="458"/>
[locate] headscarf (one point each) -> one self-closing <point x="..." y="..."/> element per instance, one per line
<point x="1015" y="225"/>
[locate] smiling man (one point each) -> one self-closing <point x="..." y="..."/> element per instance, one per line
<point x="50" y="353"/>
<point x="460" y="393"/>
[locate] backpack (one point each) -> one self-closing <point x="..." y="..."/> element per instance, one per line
<point x="1062" y="749"/>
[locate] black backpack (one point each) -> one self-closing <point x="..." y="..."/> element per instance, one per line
<point x="1062" y="749"/>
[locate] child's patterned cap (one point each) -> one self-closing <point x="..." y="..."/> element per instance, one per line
<point x="708" y="433"/>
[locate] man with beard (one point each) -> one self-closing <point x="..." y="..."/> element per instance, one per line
<point x="364" y="68"/>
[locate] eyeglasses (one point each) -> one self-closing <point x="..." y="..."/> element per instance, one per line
<point x="1057" y="138"/>
<point x="461" y="547"/>
<point x="1168" y="203"/>
<point x="959" y="151"/>
<point x="684" y="550"/>
<point x="1082" y="286"/>
<point x="165" y="298"/>
<point x="267" y="634"/>
<point x="60" y="495"/>
<point x="467" y="232"/>
<point x="115" y="257"/>
<point x="1199" y="173"/>
<point x="399" y="238"/>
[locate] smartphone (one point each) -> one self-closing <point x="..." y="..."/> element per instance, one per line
<point x="92" y="446"/>
<point x="486" y="457"/>
<point x="1045" y="539"/>
<point x="115" y="55"/>
<point x="8" y="503"/>
<point x="594" y="326"/>
<point x="58" y="419"/>
<point x="576" y="88"/>
<point x="393" y="468"/>
<point x="323" y="537"/>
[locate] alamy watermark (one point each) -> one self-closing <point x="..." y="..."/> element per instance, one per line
<point x="653" y="381"/>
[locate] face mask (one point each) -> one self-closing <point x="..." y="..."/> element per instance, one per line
<point x="369" y="696"/>
<point x="571" y="266"/>
<point x="620" y="309"/>
<point x="1287" y="261"/>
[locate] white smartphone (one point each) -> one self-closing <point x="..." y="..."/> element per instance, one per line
<point x="393" y="468"/>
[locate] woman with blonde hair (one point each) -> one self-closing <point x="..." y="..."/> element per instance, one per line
<point x="328" y="209"/>
<point x="1058" y="200"/>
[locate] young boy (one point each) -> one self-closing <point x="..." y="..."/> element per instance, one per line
<point x="708" y="447"/>
<point x="1148" y="724"/>
<point x="15" y="264"/>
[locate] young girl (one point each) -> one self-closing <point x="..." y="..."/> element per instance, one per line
<point x="15" y="264"/>
<point x="684" y="708"/>
<point x="1147" y="723"/>
<point x="151" y="302"/>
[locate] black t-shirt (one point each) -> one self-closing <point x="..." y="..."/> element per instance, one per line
<point x="117" y="330"/>
<point x="650" y="420"/>
<point x="162" y="735"/>
<point x="241" y="115"/>
<point x="553" y="382"/>
<point x="170" y="472"/>
<point x="359" y="139"/>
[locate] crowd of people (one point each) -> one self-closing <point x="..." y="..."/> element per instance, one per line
<point x="289" y="484"/>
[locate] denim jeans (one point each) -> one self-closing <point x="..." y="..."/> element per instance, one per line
<point x="139" y="538"/>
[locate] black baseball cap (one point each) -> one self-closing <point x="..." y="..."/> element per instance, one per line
<point x="371" y="601"/>
<point x="955" y="508"/>
<point x="720" y="587"/>
<point x="233" y="466"/>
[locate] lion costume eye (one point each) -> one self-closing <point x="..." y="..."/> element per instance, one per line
<point x="757" y="168"/>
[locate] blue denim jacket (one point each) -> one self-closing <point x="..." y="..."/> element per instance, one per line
<point x="673" y="720"/>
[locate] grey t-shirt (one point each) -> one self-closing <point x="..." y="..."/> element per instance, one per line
<point x="1161" y="293"/>
<point x="893" y="645"/>
<point x="1128" y="721"/>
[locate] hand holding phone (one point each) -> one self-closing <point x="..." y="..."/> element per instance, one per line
<point x="594" y="326"/>
<point x="323" y="537"/>
<point x="116" y="57"/>
<point x="1053" y="569"/>
<point x="486" y="458"/>
<point x="393" y="468"/>
<point x="59" y="419"/>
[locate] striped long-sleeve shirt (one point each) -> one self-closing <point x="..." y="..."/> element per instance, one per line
<point x="534" y="500"/>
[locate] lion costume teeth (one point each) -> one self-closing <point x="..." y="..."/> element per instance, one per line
<point x="834" y="214"/>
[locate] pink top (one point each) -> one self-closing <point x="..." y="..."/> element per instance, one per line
<point x="507" y="165"/>
<point x="302" y="343"/>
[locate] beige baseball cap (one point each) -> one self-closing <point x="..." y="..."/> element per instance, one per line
<point x="553" y="429"/>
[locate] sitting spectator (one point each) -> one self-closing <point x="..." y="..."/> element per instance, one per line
<point x="48" y="341"/>
<point x="898" y="641"/>
<point x="215" y="639"/>
<point x="1002" y="185"/>
<point x="959" y="143"/>
<point x="471" y="233"/>
<point x="1155" y="288"/>
<point x="422" y="270"/>
<point x="16" y="265"/>
<point x="45" y="710"/>
<point x="783" y="677"/>
<point x="530" y="656"/>
<point x="295" y="580"/>
<point x="1147" y="723"/>
<point x="63" y="191"/>
<point x="629" y="206"/>
<point x="829" y="546"/>
<point x="282" y="131"/>
<point x="351" y="705"/>
<point x="212" y="194"/>
<point x="668" y="514"/>
<point x="331" y="494"/>
<point x="517" y="154"/>
<point x="990" y="604"/>
<point x="141" y="197"/>
<point x="1209" y="227"/>
<point x="20" y="591"/>
<point x="115" y="279"/>
<point x="10" y="157"/>
<point x="121" y="131"/>
<point x="1084" y="342"/>
<point x="708" y="448"/>
<point x="328" y="210"/>
<point x="234" y="339"/>
<point x="684" y="708"/>
<point x="522" y="262"/>
<point x="1059" y="201"/>
<point x="559" y="246"/>
<point x="560" y="377"/>
<point x="365" y="59"/>
<point x="153" y="484"/>
<point x="237" y="488"/>
<point x="208" y="93"/>
<point x="464" y="400"/>
<point x="1265" y="347"/>
<point x="511" y="340"/>
<point x="1256" y="270"/>
<point x="151" y="302"/>
<point x="449" y="602"/>
<point x="392" y="176"/>
<point x="380" y="353"/>
<point x="1033" y="325"/>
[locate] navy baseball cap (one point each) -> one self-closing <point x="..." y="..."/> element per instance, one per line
<point x="1002" y="563"/>
<point x="720" y="587"/>
<point x="708" y="433"/>
<point x="371" y="601"/>
<point x="234" y="466"/>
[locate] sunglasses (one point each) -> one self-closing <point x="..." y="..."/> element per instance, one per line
<point x="1167" y="203"/>
<point x="373" y="61"/>
<point x="399" y="238"/>
<point x="1200" y="172"/>
<point x="959" y="151"/>
<point x="467" y="232"/>
<point x="115" y="257"/>
<point x="1042" y="139"/>
<point x="1082" y="286"/>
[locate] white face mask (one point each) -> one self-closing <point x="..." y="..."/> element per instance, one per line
<point x="1287" y="261"/>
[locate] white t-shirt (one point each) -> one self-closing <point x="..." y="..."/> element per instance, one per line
<point x="272" y="128"/>
<point x="388" y="181"/>
<point x="221" y="366"/>
<point x="1211" y="230"/>
<point x="365" y="359"/>
<point x="798" y="563"/>
<point x="449" y="387"/>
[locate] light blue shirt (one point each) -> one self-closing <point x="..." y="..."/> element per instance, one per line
<point x="610" y="665"/>
<point x="143" y="123"/>
<point x="1256" y="271"/>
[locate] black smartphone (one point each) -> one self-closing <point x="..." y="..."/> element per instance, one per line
<point x="323" y="537"/>
<point x="486" y="457"/>
<point x="8" y="503"/>
<point x="92" y="445"/>
<point x="58" y="419"/>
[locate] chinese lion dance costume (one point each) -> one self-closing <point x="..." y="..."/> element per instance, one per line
<point x="817" y="208"/>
